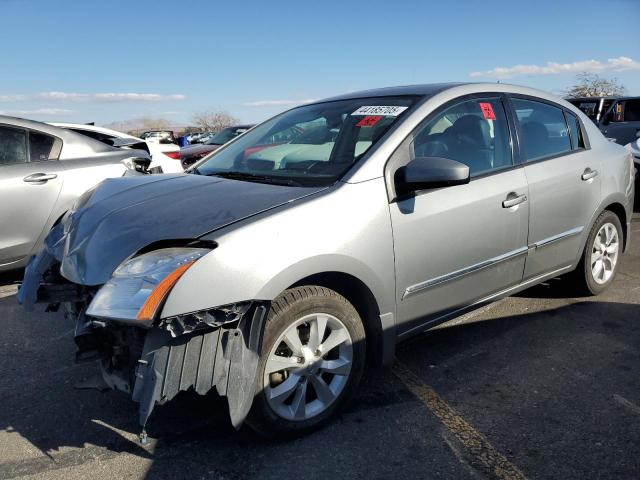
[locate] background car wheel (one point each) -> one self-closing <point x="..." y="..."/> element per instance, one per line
<point x="601" y="256"/>
<point x="313" y="355"/>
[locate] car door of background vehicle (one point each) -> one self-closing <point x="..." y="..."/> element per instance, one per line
<point x="564" y="183"/>
<point x="459" y="244"/>
<point x="623" y="121"/>
<point x="30" y="182"/>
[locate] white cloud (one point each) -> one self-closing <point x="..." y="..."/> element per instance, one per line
<point x="61" y="96"/>
<point x="135" y="97"/>
<point x="553" y="68"/>
<point x="11" y="98"/>
<point x="93" y="97"/>
<point x="277" y="103"/>
<point x="38" y="111"/>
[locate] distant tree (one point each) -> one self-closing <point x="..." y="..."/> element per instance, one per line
<point x="213" y="121"/>
<point x="593" y="85"/>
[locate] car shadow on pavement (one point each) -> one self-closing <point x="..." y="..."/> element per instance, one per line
<point x="11" y="277"/>
<point x="193" y="434"/>
<point x="558" y="287"/>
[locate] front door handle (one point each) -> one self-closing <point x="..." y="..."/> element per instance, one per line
<point x="588" y="174"/>
<point x="39" y="177"/>
<point x="513" y="199"/>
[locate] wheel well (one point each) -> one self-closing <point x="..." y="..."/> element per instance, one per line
<point x="619" y="210"/>
<point x="359" y="295"/>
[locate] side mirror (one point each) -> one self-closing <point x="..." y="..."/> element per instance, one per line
<point x="430" y="172"/>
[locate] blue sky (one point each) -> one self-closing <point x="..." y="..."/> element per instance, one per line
<point x="62" y="58"/>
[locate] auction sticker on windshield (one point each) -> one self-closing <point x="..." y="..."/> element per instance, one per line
<point x="385" y="111"/>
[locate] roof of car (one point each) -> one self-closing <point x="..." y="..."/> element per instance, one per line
<point x="93" y="128"/>
<point x="74" y="143"/>
<point x="422" y="90"/>
<point x="41" y="126"/>
<point x="431" y="89"/>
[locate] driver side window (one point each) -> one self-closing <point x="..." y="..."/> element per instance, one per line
<point x="474" y="132"/>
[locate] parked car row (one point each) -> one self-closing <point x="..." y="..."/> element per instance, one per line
<point x="297" y="254"/>
<point x="192" y="153"/>
<point x="159" y="136"/>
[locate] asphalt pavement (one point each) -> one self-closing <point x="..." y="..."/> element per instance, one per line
<point x="537" y="386"/>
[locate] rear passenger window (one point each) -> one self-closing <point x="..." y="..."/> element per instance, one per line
<point x="13" y="146"/>
<point x="474" y="132"/>
<point x="577" y="142"/>
<point x="39" y="146"/>
<point x="632" y="111"/>
<point x="544" y="130"/>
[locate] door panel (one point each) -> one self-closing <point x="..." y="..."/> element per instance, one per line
<point x="458" y="244"/>
<point x="561" y="204"/>
<point x="25" y="206"/>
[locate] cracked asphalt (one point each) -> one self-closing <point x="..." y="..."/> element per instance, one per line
<point x="541" y="385"/>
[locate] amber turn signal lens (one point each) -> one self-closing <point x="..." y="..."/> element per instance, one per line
<point x="151" y="304"/>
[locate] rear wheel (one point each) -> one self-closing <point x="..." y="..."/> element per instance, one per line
<point x="313" y="355"/>
<point x="600" y="259"/>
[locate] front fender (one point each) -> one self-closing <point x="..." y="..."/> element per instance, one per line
<point x="346" y="231"/>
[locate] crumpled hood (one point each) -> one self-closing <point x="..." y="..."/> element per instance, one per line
<point x="123" y="215"/>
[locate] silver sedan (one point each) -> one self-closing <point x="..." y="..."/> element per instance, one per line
<point x="43" y="171"/>
<point x="309" y="246"/>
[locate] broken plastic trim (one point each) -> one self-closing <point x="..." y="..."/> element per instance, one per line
<point x="204" y="319"/>
<point x="226" y="357"/>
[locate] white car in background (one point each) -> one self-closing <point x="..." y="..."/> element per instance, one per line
<point x="634" y="147"/>
<point x="165" y="158"/>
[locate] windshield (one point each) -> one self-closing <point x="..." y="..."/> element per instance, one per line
<point x="312" y="145"/>
<point x="223" y="136"/>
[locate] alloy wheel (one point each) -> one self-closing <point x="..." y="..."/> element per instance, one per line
<point x="308" y="367"/>
<point x="604" y="253"/>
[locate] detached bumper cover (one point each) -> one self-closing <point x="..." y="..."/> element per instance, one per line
<point x="225" y="358"/>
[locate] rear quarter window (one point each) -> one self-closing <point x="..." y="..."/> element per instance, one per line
<point x="40" y="147"/>
<point x="575" y="131"/>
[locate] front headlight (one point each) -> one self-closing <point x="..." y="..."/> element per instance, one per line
<point x="138" y="286"/>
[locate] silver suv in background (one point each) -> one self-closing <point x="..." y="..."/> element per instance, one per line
<point x="43" y="171"/>
<point x="277" y="271"/>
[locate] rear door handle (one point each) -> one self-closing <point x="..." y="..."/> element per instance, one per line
<point x="512" y="200"/>
<point x="39" y="177"/>
<point x="588" y="174"/>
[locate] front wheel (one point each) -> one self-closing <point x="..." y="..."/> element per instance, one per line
<point x="601" y="256"/>
<point x="313" y="355"/>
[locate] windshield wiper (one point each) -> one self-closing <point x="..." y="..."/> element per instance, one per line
<point x="252" y="177"/>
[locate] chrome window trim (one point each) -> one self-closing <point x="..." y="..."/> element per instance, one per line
<point x="419" y="287"/>
<point x="560" y="236"/>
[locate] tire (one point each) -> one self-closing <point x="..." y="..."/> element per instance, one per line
<point x="307" y="406"/>
<point x="587" y="281"/>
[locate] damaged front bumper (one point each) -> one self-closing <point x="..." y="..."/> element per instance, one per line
<point x="202" y="350"/>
